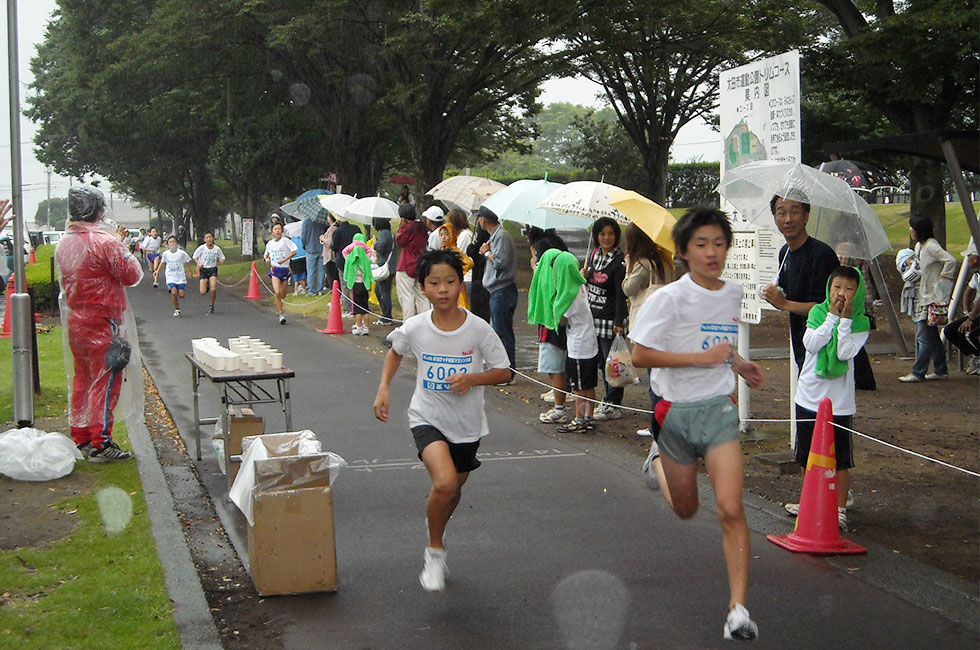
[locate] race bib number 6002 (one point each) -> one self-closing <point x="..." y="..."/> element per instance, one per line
<point x="437" y="369"/>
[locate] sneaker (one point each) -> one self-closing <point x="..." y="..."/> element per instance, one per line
<point x="644" y="433"/>
<point x="842" y="518"/>
<point x="554" y="416"/>
<point x="176" y="312"/>
<point x="85" y="448"/>
<point x="155" y="284"/>
<point x="433" y="576"/>
<point x="282" y="318"/>
<point x="210" y="309"/>
<point x="361" y="331"/>
<point x="109" y="453"/>
<point x="607" y="412"/>
<point x="792" y="508"/>
<point x="548" y="396"/>
<point x="910" y="378"/>
<point x="974" y="367"/>
<point x="509" y="382"/>
<point x="576" y="427"/>
<point x="738" y="625"/>
<point x="649" y="473"/>
<point x="932" y="376"/>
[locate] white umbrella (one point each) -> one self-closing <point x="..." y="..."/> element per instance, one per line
<point x="335" y="203"/>
<point x="838" y="215"/>
<point x="465" y="192"/>
<point x="294" y="228"/>
<point x="363" y="210"/>
<point x="588" y="199"/>
<point x="519" y="202"/>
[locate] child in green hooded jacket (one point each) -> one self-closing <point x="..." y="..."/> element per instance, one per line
<point x="836" y="330"/>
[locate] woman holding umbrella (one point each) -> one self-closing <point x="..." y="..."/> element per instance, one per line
<point x="938" y="273"/>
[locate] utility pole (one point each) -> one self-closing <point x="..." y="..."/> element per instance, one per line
<point x="47" y="205"/>
<point x="21" y="321"/>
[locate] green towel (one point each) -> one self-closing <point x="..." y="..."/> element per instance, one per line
<point x="828" y="365"/>
<point x="358" y="259"/>
<point x="541" y="295"/>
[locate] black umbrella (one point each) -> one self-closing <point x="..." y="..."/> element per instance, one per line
<point x="859" y="175"/>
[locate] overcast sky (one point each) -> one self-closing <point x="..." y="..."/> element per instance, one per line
<point x="696" y="141"/>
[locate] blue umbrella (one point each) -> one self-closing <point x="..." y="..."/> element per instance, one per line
<point x="519" y="202"/>
<point x="309" y="193"/>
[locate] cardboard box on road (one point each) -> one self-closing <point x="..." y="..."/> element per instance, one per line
<point x="291" y="545"/>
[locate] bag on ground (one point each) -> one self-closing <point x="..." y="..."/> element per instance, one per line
<point x="34" y="455"/>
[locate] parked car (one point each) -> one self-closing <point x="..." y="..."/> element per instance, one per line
<point x="52" y="236"/>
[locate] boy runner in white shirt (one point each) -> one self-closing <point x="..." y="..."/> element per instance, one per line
<point x="151" y="246"/>
<point x="688" y="329"/>
<point x="208" y="256"/>
<point x="446" y="414"/>
<point x="174" y="259"/>
<point x="278" y="252"/>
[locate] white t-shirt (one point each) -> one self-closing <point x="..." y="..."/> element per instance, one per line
<point x="464" y="239"/>
<point x="471" y="348"/>
<point x="150" y="244"/>
<point x="278" y="250"/>
<point x="684" y="317"/>
<point x="580" y="331"/>
<point x="208" y="258"/>
<point x="434" y="242"/>
<point x="811" y="388"/>
<point x="174" y="263"/>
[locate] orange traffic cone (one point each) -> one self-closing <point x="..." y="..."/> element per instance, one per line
<point x="253" y="285"/>
<point x="5" y="334"/>
<point x="816" y="528"/>
<point x="335" y="322"/>
<point x="31" y="259"/>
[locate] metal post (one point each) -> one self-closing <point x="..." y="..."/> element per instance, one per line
<point x="744" y="347"/>
<point x="21" y="321"/>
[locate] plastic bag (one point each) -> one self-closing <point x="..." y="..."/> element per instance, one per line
<point x="35" y="455"/>
<point x="619" y="367"/>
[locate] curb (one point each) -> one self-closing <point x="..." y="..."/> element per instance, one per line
<point x="190" y="608"/>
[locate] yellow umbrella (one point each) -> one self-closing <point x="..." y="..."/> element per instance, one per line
<point x="650" y="217"/>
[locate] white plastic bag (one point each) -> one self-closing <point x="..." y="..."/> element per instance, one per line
<point x="619" y="367"/>
<point x="34" y="455"/>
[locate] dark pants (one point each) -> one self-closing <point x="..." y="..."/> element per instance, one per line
<point x="330" y="274"/>
<point x="864" y="376"/>
<point x="614" y="395"/>
<point x="503" y="304"/>
<point x="382" y="289"/>
<point x="967" y="343"/>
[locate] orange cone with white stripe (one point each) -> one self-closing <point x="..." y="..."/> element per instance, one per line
<point x="817" y="529"/>
<point x="335" y="320"/>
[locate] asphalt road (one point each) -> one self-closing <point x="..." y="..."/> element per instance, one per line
<point x="555" y="543"/>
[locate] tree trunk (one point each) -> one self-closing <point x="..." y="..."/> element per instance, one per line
<point x="928" y="198"/>
<point x="655" y="162"/>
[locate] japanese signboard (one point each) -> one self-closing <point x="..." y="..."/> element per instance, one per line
<point x="247" y="237"/>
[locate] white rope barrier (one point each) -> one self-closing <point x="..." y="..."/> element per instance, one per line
<point x="908" y="451"/>
<point x="229" y="286"/>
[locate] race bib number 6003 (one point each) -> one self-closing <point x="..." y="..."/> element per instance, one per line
<point x="437" y="369"/>
<point x="713" y="334"/>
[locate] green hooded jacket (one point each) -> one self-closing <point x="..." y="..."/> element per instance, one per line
<point x="828" y="365"/>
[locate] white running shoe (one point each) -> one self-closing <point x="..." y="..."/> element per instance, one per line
<point x="554" y="416"/>
<point x="974" y="367"/>
<point x="282" y="318"/>
<point x="644" y="433"/>
<point x="176" y="312"/>
<point x="433" y="576"/>
<point x="738" y="625"/>
<point x="842" y="518"/>
<point x="607" y="412"/>
<point x="792" y="508"/>
<point x="548" y="396"/>
<point x="649" y="473"/>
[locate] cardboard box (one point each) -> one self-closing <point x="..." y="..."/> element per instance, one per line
<point x="242" y="422"/>
<point x="291" y="545"/>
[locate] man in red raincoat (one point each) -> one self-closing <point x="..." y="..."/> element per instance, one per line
<point x="94" y="268"/>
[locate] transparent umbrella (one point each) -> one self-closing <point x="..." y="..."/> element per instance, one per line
<point x="465" y="192"/>
<point x="366" y="209"/>
<point x="519" y="202"/>
<point x="838" y="216"/>
<point x="336" y="203"/>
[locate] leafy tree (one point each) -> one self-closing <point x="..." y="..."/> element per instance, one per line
<point x="916" y="63"/>
<point x="52" y="212"/>
<point x="658" y="62"/>
<point x="556" y="137"/>
<point x="603" y="146"/>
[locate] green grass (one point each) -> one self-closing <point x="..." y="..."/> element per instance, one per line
<point x="90" y="589"/>
<point x="895" y="218"/>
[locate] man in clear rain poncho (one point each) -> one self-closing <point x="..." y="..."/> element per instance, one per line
<point x="94" y="268"/>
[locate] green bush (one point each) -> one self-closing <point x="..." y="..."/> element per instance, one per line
<point x="39" y="281"/>
<point x="692" y="184"/>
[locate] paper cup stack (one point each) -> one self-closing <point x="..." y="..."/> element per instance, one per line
<point x="255" y="354"/>
<point x="211" y="353"/>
